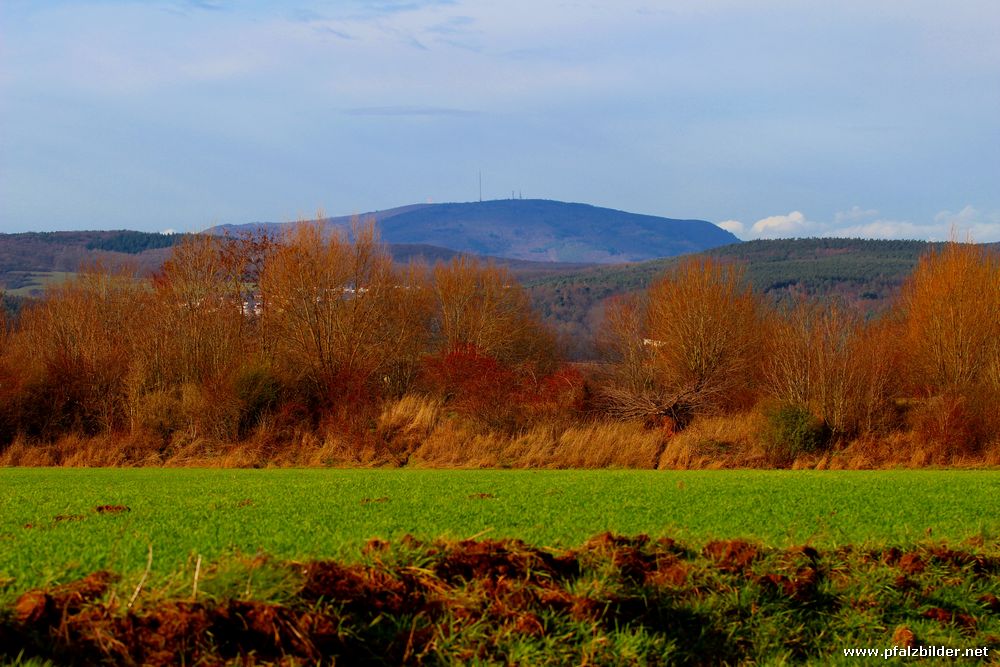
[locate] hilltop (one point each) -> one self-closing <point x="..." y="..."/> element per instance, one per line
<point x="535" y="230"/>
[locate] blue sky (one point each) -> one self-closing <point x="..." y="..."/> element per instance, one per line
<point x="876" y="118"/>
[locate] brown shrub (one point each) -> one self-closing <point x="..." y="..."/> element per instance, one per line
<point x="690" y="346"/>
<point x="71" y="354"/>
<point x="951" y="334"/>
<point x="482" y="307"/>
<point x="947" y="425"/>
<point x="340" y="320"/>
<point x="827" y="359"/>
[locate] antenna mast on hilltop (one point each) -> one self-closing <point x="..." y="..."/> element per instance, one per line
<point x="480" y="186"/>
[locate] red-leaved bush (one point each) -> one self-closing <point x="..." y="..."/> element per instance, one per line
<point x="469" y="381"/>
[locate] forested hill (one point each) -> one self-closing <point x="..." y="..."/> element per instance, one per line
<point x="536" y="230"/>
<point x="866" y="272"/>
<point x="812" y="265"/>
<point x="66" y="251"/>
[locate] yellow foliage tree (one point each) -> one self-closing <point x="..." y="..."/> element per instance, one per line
<point x="336" y="312"/>
<point x="825" y="357"/>
<point x="691" y="345"/>
<point x="951" y="310"/>
<point x="482" y="306"/>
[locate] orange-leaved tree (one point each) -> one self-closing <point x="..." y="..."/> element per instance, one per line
<point x="339" y="316"/>
<point x="951" y="321"/>
<point x="487" y="343"/>
<point x="691" y="345"/>
<point x="73" y="350"/>
<point x="824" y="357"/>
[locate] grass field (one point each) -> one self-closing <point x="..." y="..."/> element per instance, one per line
<point x="280" y="566"/>
<point x="301" y="514"/>
<point x="33" y="283"/>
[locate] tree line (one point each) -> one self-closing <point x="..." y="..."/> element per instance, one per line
<point x="260" y="339"/>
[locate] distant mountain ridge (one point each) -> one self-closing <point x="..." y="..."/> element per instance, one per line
<point x="534" y="229"/>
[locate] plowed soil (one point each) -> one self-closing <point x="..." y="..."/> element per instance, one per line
<point x="504" y="601"/>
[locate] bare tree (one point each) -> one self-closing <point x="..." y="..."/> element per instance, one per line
<point x="826" y="358"/>
<point x="75" y="348"/>
<point x="199" y="331"/>
<point x="336" y="310"/>
<point x="484" y="307"/>
<point x="690" y="346"/>
<point x="951" y="311"/>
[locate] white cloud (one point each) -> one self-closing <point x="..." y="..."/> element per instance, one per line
<point x="969" y="224"/>
<point x="169" y="231"/>
<point x="733" y="226"/>
<point x="854" y="214"/>
<point x="967" y="215"/>
<point x="886" y="229"/>
<point x="776" y="226"/>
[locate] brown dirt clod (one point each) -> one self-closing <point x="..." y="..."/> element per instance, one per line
<point x="912" y="563"/>
<point x="732" y="555"/>
<point x="991" y="602"/>
<point x="112" y="509"/>
<point x="375" y="545"/>
<point x="891" y="556"/>
<point x="529" y="624"/>
<point x="489" y="559"/>
<point x="360" y="589"/>
<point x="945" y="617"/>
<point x="904" y="637"/>
<point x="671" y="575"/>
<point x="805" y="550"/>
<point x="799" y="587"/>
<point x="410" y="542"/>
<point x="44" y="605"/>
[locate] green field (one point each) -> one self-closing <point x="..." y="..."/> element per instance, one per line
<point x="274" y="564"/>
<point x="304" y="514"/>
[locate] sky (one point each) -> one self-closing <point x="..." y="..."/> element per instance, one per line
<point x="771" y="118"/>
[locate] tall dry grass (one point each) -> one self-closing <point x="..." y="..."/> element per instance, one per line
<point x="604" y="444"/>
<point x="719" y="441"/>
